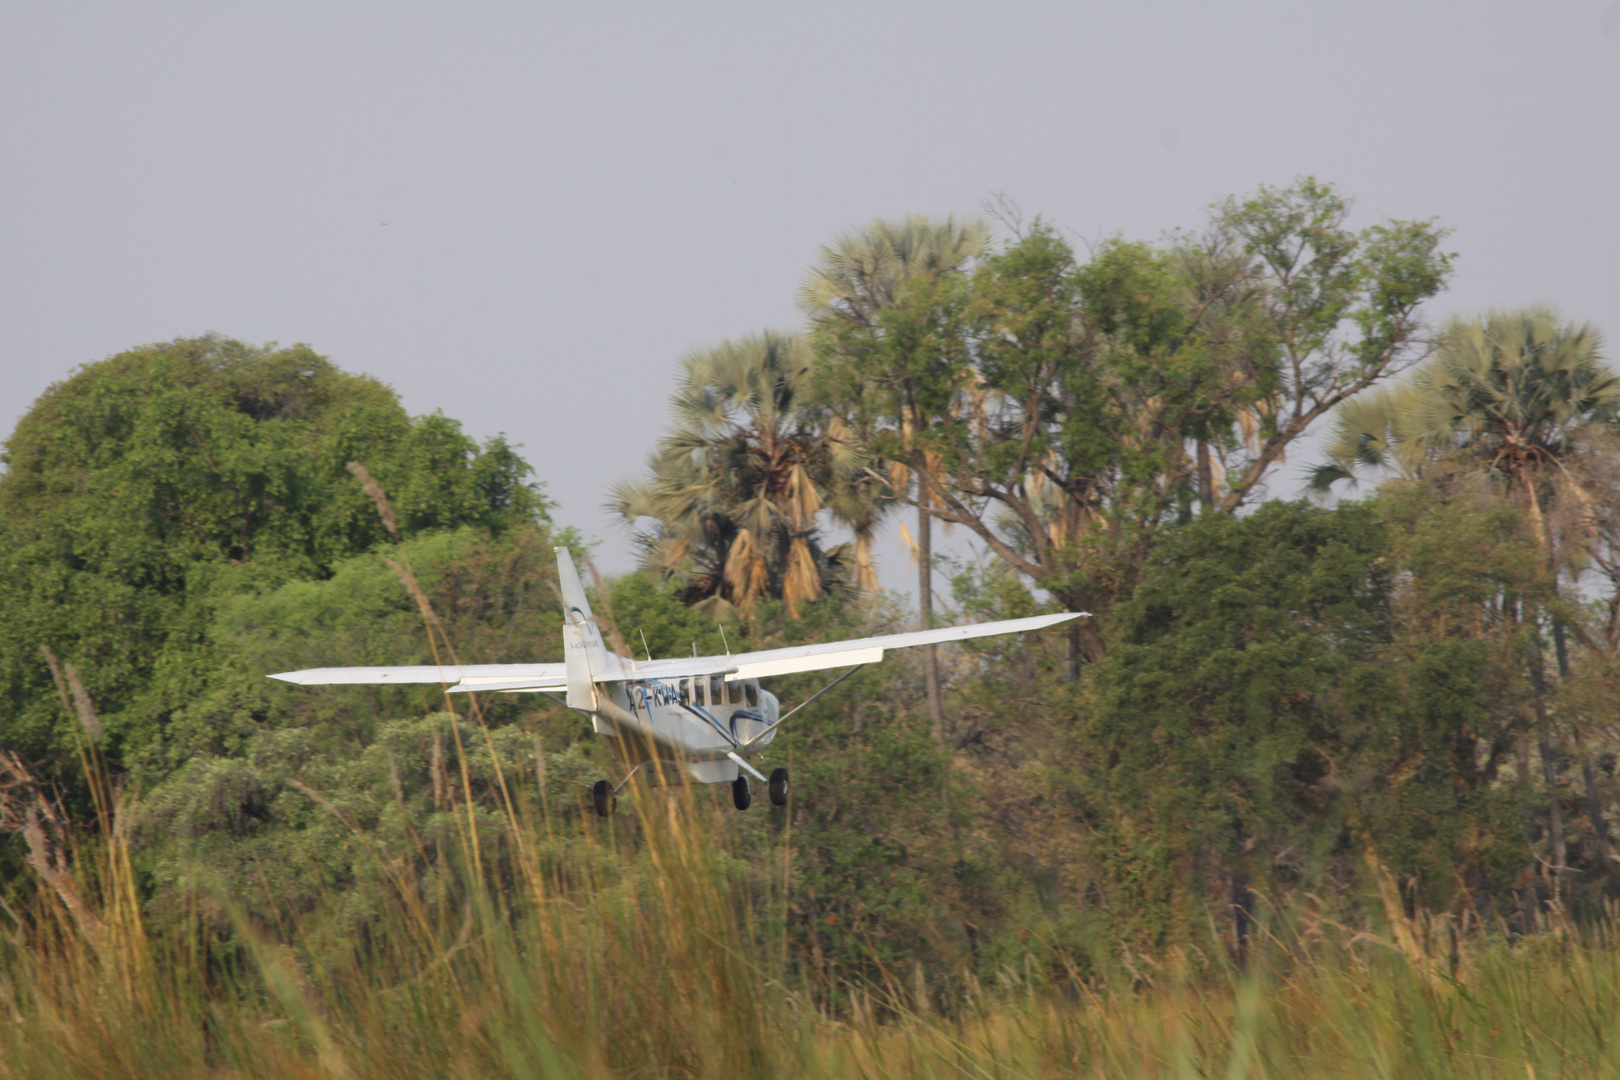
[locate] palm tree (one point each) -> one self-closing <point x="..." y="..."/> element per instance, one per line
<point x="1508" y="393"/>
<point x="857" y="277"/>
<point x="1508" y="397"/>
<point x="736" y="486"/>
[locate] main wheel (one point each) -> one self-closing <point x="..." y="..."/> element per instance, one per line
<point x="742" y="796"/>
<point x="603" y="799"/>
<point x="779" y="787"/>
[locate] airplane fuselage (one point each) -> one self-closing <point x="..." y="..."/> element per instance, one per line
<point x="695" y="722"/>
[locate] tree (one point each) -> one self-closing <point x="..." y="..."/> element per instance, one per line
<point x="1506" y="398"/>
<point x="1341" y="309"/>
<point x="146" y="489"/>
<point x="1509" y="393"/>
<point x="738" y="484"/>
<point x="851" y="295"/>
<point x="1062" y="412"/>
<point x="1266" y="710"/>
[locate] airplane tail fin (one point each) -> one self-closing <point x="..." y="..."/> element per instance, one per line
<point x="573" y="590"/>
<point x="586" y="657"/>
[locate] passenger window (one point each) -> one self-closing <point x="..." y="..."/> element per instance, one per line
<point x="686" y="691"/>
<point x="717" y="693"/>
<point x="751" y="693"/>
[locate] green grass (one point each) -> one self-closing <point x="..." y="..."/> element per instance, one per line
<point x="541" y="966"/>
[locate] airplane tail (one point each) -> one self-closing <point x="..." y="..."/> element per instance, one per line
<point x="587" y="658"/>
<point x="573" y="590"/>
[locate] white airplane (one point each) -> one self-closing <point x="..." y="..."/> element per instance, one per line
<point x="697" y="718"/>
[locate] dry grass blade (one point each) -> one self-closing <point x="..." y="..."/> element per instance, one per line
<point x="74" y="697"/>
<point x="604" y="600"/>
<point x="25" y="810"/>
<point x="374" y="489"/>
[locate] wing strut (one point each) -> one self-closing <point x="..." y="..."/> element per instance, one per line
<point x="797" y="707"/>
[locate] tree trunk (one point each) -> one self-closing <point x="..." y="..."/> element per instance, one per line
<point x="1206" y="479"/>
<point x="925" y="608"/>
<point x="1594" y="797"/>
<point x="1076" y="651"/>
<point x="1241" y="901"/>
<point x="1085" y="641"/>
<point x="1555" y="811"/>
<point x="1549" y="768"/>
<point x="1594" y="814"/>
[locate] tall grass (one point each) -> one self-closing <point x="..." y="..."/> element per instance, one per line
<point x="535" y="965"/>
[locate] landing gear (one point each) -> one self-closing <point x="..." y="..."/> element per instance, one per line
<point x="603" y="798"/>
<point x="742" y="796"/>
<point x="779" y="787"/>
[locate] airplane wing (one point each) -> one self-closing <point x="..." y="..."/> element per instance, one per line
<point x="833" y="654"/>
<point x="536" y="676"/>
<point x="828" y="654"/>
<point x="468" y="678"/>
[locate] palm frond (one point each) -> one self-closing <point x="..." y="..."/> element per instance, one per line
<point x="743" y="474"/>
<point x="860" y="271"/>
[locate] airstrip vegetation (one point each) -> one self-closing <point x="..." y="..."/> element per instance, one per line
<point x="1324" y="788"/>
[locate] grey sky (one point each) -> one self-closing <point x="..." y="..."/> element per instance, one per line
<point x="523" y="214"/>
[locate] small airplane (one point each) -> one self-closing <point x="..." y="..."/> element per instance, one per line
<point x="697" y="718"/>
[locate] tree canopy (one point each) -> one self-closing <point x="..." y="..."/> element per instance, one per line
<point x="737" y="486"/>
<point x="146" y="488"/>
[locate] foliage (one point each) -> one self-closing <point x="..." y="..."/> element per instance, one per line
<point x="885" y="364"/>
<point x="1515" y="403"/>
<point x="1063" y="412"/>
<point x="573" y="969"/>
<point x="146" y="489"/>
<point x="737" y="486"/>
<point x="1509" y="392"/>
<point x="1274" y="704"/>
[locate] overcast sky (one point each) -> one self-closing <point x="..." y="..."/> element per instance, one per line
<point x="522" y="215"/>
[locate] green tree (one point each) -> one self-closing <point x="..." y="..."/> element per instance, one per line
<point x="1062" y="412"/>
<point x="1341" y="309"/>
<point x="1288" y="688"/>
<point x="893" y="374"/>
<point x="1509" y="393"/>
<point x="1506" y="399"/>
<point x="147" y="488"/>
<point x="738" y="484"/>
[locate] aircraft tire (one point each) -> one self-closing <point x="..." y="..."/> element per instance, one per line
<point x="779" y="787"/>
<point x="742" y="796"/>
<point x="603" y="798"/>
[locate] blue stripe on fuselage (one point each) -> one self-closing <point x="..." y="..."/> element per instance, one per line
<point x="655" y="693"/>
<point x="700" y="711"/>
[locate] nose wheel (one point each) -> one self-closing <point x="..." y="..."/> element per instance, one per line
<point x="742" y="796"/>
<point x="603" y="799"/>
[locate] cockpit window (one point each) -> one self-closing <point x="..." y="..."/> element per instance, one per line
<point x="751" y="693"/>
<point x="717" y="691"/>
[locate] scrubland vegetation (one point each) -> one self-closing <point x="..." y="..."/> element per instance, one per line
<point x="631" y="950"/>
<point x="1321" y="790"/>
